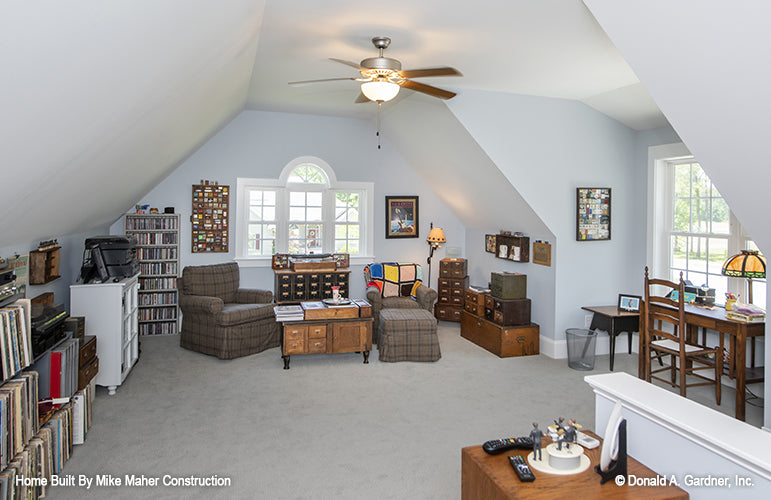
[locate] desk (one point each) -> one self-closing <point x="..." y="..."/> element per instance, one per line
<point x="490" y="477"/>
<point x="614" y="321"/>
<point x="715" y="319"/>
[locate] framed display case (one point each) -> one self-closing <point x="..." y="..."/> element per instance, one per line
<point x="592" y="214"/>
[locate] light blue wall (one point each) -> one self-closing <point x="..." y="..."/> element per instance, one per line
<point x="549" y="147"/>
<point x="260" y="144"/>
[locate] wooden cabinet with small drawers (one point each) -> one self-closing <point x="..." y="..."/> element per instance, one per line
<point x="293" y="287"/>
<point x="327" y="336"/>
<point x="451" y="289"/>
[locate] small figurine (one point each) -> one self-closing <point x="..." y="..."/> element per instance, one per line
<point x="536" y="434"/>
<point x="570" y="433"/>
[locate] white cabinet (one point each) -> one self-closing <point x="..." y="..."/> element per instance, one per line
<point x="110" y="310"/>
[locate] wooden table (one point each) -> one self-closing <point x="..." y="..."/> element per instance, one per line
<point x="491" y="477"/>
<point x="715" y="319"/>
<point x="614" y="321"/>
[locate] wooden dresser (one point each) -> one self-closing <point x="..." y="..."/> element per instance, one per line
<point x="452" y="283"/>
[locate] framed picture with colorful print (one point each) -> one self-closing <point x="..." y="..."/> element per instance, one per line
<point x="592" y="214"/>
<point x="402" y="217"/>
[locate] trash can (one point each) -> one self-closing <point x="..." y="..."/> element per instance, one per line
<point x="581" y="347"/>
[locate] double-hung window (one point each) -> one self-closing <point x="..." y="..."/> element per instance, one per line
<point x="305" y="211"/>
<point x="694" y="231"/>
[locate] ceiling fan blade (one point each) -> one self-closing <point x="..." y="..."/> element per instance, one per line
<point x="428" y="89"/>
<point x="323" y="80"/>
<point x="347" y="63"/>
<point x="426" y="72"/>
<point x="361" y="98"/>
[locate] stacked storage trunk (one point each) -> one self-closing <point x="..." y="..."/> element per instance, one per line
<point x="499" y="320"/>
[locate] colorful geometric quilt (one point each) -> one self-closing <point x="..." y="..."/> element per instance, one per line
<point x="395" y="279"/>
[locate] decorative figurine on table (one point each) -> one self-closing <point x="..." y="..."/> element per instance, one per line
<point x="536" y="434"/>
<point x="570" y="434"/>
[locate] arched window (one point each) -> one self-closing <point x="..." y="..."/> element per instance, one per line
<point x="305" y="211"/>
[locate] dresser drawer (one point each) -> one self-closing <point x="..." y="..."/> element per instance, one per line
<point x="447" y="313"/>
<point x="453" y="268"/>
<point x="317" y="345"/>
<point x="87" y="372"/>
<point x="87" y="349"/>
<point x="317" y="331"/>
<point x="295" y="332"/>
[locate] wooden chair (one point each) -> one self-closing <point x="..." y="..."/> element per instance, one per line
<point x="665" y="335"/>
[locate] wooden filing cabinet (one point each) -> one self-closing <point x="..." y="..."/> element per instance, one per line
<point x="451" y="289"/>
<point x="88" y="364"/>
<point x="293" y="287"/>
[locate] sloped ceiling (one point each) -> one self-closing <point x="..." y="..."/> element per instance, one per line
<point x="100" y="101"/>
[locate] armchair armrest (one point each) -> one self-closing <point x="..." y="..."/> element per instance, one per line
<point x="195" y="303"/>
<point x="253" y="296"/>
<point x="426" y="297"/>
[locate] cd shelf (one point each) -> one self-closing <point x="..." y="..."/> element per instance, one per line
<point x="157" y="237"/>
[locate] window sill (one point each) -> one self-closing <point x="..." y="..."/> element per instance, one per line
<point x="267" y="261"/>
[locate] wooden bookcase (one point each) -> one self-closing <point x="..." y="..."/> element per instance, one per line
<point x="157" y="237"/>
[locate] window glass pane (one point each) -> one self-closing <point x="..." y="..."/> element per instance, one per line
<point x="340" y="214"/>
<point x="682" y="215"/>
<point x="697" y="254"/>
<point x="314" y="199"/>
<point x="255" y="213"/>
<point x="269" y="213"/>
<point x="255" y="197"/>
<point x="340" y="231"/>
<point x="720" y="217"/>
<point x="314" y="214"/>
<point x="698" y="279"/>
<point x="353" y="247"/>
<point x="701" y="184"/>
<point x="270" y="198"/>
<point x="296" y="198"/>
<point x="297" y="213"/>
<point x="682" y="178"/>
<point x="295" y="230"/>
<point x="353" y="231"/>
<point x="718" y="253"/>
<point x="353" y="215"/>
<point x="679" y="246"/>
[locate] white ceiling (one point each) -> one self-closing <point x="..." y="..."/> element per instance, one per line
<point x="551" y="48"/>
<point x="102" y="100"/>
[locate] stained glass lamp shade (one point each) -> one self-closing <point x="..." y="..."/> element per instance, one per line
<point x="748" y="264"/>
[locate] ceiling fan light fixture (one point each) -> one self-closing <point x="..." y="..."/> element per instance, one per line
<point x="379" y="90"/>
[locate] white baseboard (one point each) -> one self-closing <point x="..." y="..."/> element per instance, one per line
<point x="558" y="349"/>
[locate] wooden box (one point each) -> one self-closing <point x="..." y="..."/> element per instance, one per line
<point x="318" y="310"/>
<point x="508" y="285"/>
<point x="43" y="266"/>
<point x="447" y="313"/>
<point x="313" y="266"/>
<point x="475" y="300"/>
<point x="509" y="247"/>
<point x="87" y="350"/>
<point x="503" y="341"/>
<point x="77" y="326"/>
<point x="88" y="372"/>
<point x="507" y="312"/>
<point x="365" y="308"/>
<point x="453" y="268"/>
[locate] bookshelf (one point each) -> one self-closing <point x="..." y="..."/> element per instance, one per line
<point x="157" y="237"/>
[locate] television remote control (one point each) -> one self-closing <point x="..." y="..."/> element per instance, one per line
<point x="521" y="468"/>
<point x="496" y="446"/>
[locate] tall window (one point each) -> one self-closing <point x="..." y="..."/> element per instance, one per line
<point x="305" y="211"/>
<point x="696" y="231"/>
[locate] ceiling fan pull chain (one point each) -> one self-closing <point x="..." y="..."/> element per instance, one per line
<point x="379" y="104"/>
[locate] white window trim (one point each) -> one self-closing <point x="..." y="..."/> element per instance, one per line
<point x="243" y="184"/>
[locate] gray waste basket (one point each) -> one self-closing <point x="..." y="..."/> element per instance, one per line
<point x="581" y="346"/>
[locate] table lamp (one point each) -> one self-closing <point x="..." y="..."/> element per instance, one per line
<point x="748" y="264"/>
<point x="435" y="238"/>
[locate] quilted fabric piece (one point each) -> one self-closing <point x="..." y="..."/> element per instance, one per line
<point x="395" y="279"/>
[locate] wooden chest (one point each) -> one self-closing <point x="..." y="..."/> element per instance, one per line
<point x="453" y="268"/>
<point x="507" y="312"/>
<point x="475" y="300"/>
<point x="503" y="341"/>
<point x="508" y="285"/>
<point x="447" y="313"/>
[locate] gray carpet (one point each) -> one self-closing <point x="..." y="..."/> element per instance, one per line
<point x="330" y="427"/>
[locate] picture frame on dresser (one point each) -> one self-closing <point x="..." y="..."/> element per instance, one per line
<point x="402" y="217"/>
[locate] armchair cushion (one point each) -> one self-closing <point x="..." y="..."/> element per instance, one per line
<point x="238" y="314"/>
<point x="218" y="280"/>
<point x="394" y="279"/>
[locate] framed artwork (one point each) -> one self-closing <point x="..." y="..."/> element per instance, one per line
<point x="629" y="303"/>
<point x="490" y="243"/>
<point x="592" y="214"/>
<point x="401" y="217"/>
<point x="541" y="253"/>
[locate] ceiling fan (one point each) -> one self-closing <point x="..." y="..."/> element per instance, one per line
<point x="382" y="77"/>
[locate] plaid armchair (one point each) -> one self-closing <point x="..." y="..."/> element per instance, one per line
<point x="221" y="319"/>
<point x="392" y="285"/>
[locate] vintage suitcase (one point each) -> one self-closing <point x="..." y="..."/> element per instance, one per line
<point x="453" y="268"/>
<point x="475" y="300"/>
<point x="508" y="285"/>
<point x="507" y="312"/>
<point x="447" y="313"/>
<point x="503" y="341"/>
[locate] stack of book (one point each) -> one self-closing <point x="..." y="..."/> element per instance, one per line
<point x="289" y="313"/>
<point x="747" y="313"/>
